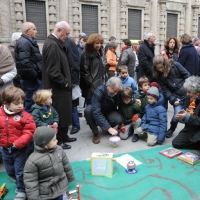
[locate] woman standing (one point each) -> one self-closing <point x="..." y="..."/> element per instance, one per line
<point x="171" y="51"/>
<point x="91" y="71"/>
<point x="188" y="55"/>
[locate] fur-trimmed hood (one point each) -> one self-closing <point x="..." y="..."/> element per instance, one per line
<point x="91" y="52"/>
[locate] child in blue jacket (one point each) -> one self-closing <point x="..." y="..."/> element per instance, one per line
<point x="154" y="122"/>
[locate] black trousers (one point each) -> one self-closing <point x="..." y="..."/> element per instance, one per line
<point x="113" y="118"/>
<point x="182" y="141"/>
<point x="62" y="135"/>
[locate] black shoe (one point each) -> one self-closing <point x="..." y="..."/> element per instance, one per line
<point x="65" y="146"/>
<point x="74" y="130"/>
<point x="135" y="137"/>
<point x="169" y="133"/>
<point x="68" y="139"/>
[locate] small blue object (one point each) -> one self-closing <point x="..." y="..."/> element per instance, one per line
<point x="131" y="171"/>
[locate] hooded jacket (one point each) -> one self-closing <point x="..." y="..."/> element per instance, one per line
<point x="44" y="117"/>
<point x="47" y="173"/>
<point x="154" y="120"/>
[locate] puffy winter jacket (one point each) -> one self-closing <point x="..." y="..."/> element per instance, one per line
<point x="17" y="128"/>
<point x="154" y="120"/>
<point x="47" y="173"/>
<point x="28" y="58"/>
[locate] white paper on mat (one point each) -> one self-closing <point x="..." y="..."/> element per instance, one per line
<point x="124" y="159"/>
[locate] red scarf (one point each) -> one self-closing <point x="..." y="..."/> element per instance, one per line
<point x="192" y="106"/>
<point x="124" y="48"/>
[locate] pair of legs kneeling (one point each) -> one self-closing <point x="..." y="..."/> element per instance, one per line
<point x="135" y="129"/>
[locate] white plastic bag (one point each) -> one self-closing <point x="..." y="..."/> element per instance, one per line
<point x="76" y="92"/>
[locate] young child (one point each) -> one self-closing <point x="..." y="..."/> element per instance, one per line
<point x="127" y="81"/>
<point x="130" y="113"/>
<point x="171" y="77"/>
<point x="154" y="121"/>
<point x="44" y="114"/>
<point x="144" y="85"/>
<point x="17" y="128"/>
<point x="47" y="171"/>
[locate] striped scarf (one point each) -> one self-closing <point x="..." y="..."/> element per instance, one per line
<point x="192" y="106"/>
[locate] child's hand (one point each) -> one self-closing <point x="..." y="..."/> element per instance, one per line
<point x="135" y="118"/>
<point x="176" y="103"/>
<point x="138" y="101"/>
<point x="122" y="128"/>
<point x="55" y="124"/>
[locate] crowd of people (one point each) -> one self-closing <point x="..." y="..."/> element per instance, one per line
<point x="125" y="95"/>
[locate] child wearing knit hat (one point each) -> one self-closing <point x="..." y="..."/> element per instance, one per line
<point x="154" y="121"/>
<point x="48" y="170"/>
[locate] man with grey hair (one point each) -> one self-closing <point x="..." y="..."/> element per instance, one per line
<point x="189" y="136"/>
<point x="28" y="62"/>
<point x="146" y="55"/>
<point x="103" y="111"/>
<point x="57" y="76"/>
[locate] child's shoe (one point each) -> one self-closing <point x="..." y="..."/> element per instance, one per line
<point x="20" y="196"/>
<point x="135" y="137"/>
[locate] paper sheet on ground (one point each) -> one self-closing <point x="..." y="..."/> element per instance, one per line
<point x="124" y="159"/>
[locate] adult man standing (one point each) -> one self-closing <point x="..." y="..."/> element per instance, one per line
<point x="103" y="110"/>
<point x="57" y="76"/>
<point x="146" y="55"/>
<point x="127" y="57"/>
<point x="28" y="62"/>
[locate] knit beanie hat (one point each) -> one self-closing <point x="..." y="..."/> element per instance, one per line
<point x="43" y="135"/>
<point x="153" y="91"/>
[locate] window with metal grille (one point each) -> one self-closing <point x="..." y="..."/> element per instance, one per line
<point x="172" y="22"/>
<point x="89" y="19"/>
<point x="36" y="13"/>
<point x="134" y="24"/>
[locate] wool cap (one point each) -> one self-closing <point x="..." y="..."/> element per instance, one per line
<point x="43" y="135"/>
<point x="153" y="91"/>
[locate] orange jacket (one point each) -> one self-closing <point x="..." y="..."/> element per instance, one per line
<point x="111" y="60"/>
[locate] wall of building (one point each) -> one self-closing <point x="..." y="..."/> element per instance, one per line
<point x="113" y="17"/>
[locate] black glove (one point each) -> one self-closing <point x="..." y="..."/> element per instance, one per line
<point x="1" y="82"/>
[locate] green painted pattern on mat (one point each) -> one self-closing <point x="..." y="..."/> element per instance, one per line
<point x="158" y="178"/>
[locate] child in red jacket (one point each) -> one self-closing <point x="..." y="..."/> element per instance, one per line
<point x="16" y="131"/>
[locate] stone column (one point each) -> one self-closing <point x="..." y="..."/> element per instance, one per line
<point x="147" y="11"/>
<point x="123" y="20"/>
<point x="113" y="18"/>
<point x="163" y="22"/>
<point x="195" y="18"/>
<point x="104" y="19"/>
<point x="52" y="15"/>
<point x="188" y="17"/>
<point x="64" y="10"/>
<point x="76" y="18"/>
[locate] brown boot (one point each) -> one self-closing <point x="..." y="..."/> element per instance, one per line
<point x="96" y="139"/>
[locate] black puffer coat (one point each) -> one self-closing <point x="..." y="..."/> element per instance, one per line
<point x="91" y="71"/>
<point x="28" y="58"/>
<point x="172" y="85"/>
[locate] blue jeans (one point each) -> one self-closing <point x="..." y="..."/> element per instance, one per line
<point x="178" y="108"/>
<point x="14" y="162"/>
<point x="75" y="118"/>
<point x="30" y="87"/>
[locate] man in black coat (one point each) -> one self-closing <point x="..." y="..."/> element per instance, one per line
<point x="74" y="64"/>
<point x="146" y="55"/>
<point x="28" y="63"/>
<point x="57" y="76"/>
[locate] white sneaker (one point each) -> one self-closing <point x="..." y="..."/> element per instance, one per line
<point x="20" y="196"/>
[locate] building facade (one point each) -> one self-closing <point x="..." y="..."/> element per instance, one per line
<point x="120" y="18"/>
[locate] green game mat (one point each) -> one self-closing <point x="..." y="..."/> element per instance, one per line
<point x="158" y="178"/>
